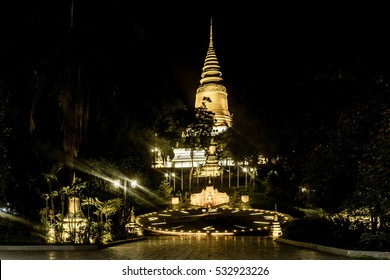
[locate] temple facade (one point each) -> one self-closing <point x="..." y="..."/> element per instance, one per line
<point x="209" y="197"/>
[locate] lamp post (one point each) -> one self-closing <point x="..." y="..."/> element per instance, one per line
<point x="228" y="162"/>
<point x="253" y="176"/>
<point x="246" y="176"/>
<point x="174" y="182"/>
<point x="167" y="177"/>
<point x="181" y="181"/>
<point x="124" y="200"/>
<point x="133" y="184"/>
<point x="154" y="151"/>
<point x="117" y="184"/>
<point x="238" y="175"/>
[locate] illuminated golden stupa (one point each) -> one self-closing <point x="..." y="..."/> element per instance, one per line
<point x="211" y="88"/>
<point x="212" y="94"/>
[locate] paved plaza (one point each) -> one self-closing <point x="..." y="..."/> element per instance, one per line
<point x="214" y="221"/>
<point x="182" y="248"/>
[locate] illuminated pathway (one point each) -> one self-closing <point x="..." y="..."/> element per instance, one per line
<point x="183" y="248"/>
<point x="213" y="221"/>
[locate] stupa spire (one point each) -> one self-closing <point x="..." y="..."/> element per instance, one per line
<point x="211" y="33"/>
<point x="211" y="73"/>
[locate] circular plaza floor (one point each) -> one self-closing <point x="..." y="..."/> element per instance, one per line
<point x="210" y="221"/>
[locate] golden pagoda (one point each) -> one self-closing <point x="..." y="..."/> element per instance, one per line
<point x="212" y="90"/>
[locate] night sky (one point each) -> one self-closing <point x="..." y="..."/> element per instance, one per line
<point x="264" y="50"/>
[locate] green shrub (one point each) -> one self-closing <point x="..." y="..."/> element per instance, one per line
<point x="375" y="241"/>
<point x="336" y="232"/>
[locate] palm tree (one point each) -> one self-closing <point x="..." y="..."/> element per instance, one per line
<point x="50" y="178"/>
<point x="165" y="190"/>
<point x="104" y="209"/>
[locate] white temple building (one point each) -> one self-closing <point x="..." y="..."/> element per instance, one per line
<point x="182" y="158"/>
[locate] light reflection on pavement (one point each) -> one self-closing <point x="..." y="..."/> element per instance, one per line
<point x="183" y="248"/>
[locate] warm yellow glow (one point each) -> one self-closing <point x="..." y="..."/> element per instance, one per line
<point x="257" y="218"/>
<point x="159" y="223"/>
<point x="245" y="198"/>
<point x="165" y="215"/>
<point x="222" y="233"/>
<point x="260" y="222"/>
<point x="74" y="222"/>
<point x="209" y="197"/>
<point x="175" y="200"/>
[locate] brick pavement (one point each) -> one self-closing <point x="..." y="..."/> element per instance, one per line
<point x="182" y="248"/>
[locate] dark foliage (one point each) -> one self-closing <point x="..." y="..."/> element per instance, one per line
<point x="17" y="233"/>
<point x="336" y="232"/>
